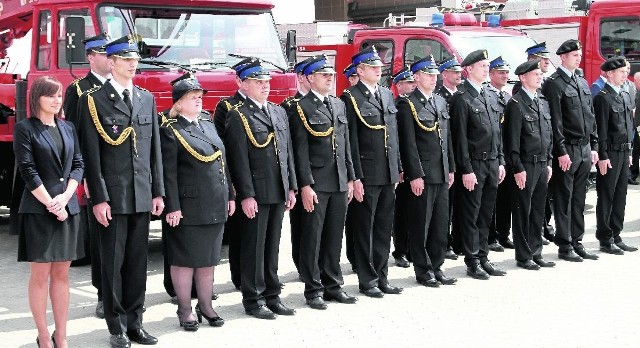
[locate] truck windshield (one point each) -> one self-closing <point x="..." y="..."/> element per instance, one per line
<point x="511" y="48"/>
<point x="200" y="37"/>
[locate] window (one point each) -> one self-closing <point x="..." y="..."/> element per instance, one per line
<point x="89" y="31"/>
<point x="44" y="41"/>
<point x="385" y="51"/>
<point x="620" y="37"/>
<point x="419" y="48"/>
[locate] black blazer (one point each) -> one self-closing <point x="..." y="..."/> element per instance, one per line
<point x="372" y="162"/>
<point x="614" y="120"/>
<point x="117" y="174"/>
<point x="317" y="163"/>
<point x="425" y="154"/>
<point x="260" y="172"/>
<point x="201" y="190"/>
<point x="40" y="163"/>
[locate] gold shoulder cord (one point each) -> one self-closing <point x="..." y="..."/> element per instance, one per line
<point x="77" y="83"/>
<point x="228" y="105"/>
<point x="252" y="138"/>
<point x="425" y="128"/>
<point x="96" y="121"/>
<point x="316" y="133"/>
<point x="378" y="127"/>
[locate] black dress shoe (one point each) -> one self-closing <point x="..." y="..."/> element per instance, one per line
<point x="402" y="262"/>
<point x="316" y="303"/>
<point x="120" y="341"/>
<point x="496" y="247"/>
<point x="625" y="247"/>
<point x="507" y="243"/>
<point x="140" y="336"/>
<point x="476" y="272"/>
<point x="569" y="256"/>
<point x="261" y="312"/>
<point x="280" y="309"/>
<point x="450" y="255"/>
<point x="633" y="182"/>
<point x="443" y="278"/>
<point x="389" y="289"/>
<point x="372" y="292"/>
<point x="431" y="282"/>
<point x="339" y="296"/>
<point x="611" y="249"/>
<point x="100" y="310"/>
<point x="544" y="263"/>
<point x="491" y="269"/>
<point x="585" y="254"/>
<point x="528" y="264"/>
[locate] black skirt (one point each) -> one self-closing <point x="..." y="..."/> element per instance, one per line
<point x="42" y="238"/>
<point x="194" y="246"/>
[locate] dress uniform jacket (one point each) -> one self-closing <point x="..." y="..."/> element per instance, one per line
<point x="129" y="175"/>
<point x="528" y="147"/>
<point x="252" y="167"/>
<point x="222" y="109"/>
<point x="444" y="93"/>
<point x="371" y="165"/>
<point x="40" y="163"/>
<point x="201" y="190"/>
<point x="72" y="95"/>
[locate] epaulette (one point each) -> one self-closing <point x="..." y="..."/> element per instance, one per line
<point x="76" y="83"/>
<point x="205" y="112"/>
<point x="235" y="107"/>
<point x="92" y="90"/>
<point x="514" y="99"/>
<point x="272" y="103"/>
<point x="143" y="89"/>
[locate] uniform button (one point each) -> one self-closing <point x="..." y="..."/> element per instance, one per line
<point x="220" y="170"/>
<point x="222" y="181"/>
<point x="61" y="179"/>
<point x="135" y="172"/>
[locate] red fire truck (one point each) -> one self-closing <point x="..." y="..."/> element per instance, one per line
<point x="605" y="28"/>
<point x="196" y="34"/>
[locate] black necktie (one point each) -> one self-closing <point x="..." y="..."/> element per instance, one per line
<point x="126" y="98"/>
<point x="197" y="124"/>
<point x="377" y="95"/>
<point x="264" y="109"/>
<point x="501" y="96"/>
<point x="328" y="105"/>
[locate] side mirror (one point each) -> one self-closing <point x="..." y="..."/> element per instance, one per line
<point x="582" y="5"/>
<point x="74" y="36"/>
<point x="291" y="47"/>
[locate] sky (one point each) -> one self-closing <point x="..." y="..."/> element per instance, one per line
<point x="293" y="11"/>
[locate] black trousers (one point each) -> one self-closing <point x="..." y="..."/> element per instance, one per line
<point x="94" y="245"/>
<point x="372" y="221"/>
<point x="295" y="219"/>
<point x="454" y="239"/>
<point x="400" y="227"/>
<point x="569" y="194"/>
<point x="528" y="210"/>
<point x="501" y="218"/>
<point x="428" y="221"/>
<point x="321" y="244"/>
<point x="233" y="229"/>
<point x="124" y="246"/>
<point x="259" y="255"/>
<point x="348" y="235"/>
<point x="476" y="208"/>
<point x="612" y="198"/>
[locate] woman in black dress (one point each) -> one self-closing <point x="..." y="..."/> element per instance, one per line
<point x="50" y="163"/>
<point x="198" y="200"/>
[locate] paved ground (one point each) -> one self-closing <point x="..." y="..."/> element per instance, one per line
<point x="592" y="304"/>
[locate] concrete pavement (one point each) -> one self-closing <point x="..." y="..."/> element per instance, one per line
<point x="588" y="304"/>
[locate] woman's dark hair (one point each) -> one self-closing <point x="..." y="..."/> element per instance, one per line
<point x="43" y="86"/>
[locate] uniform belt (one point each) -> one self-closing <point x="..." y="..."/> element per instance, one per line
<point x="483" y="156"/>
<point x="534" y="158"/>
<point x="577" y="141"/>
<point x="620" y="147"/>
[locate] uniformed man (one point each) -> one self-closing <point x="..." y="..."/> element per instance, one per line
<point x="231" y="228"/>
<point x="427" y="157"/>
<point x="575" y="150"/>
<point x="528" y="153"/>
<point x="478" y="153"/>
<point x="376" y="161"/>
<point x="99" y="73"/>
<point x="121" y="147"/>
<point x="613" y="108"/>
<point x="536" y="52"/>
<point x="261" y="164"/>
<point x="297" y="210"/>
<point x="501" y="219"/>
<point x="405" y="84"/>
<point x="451" y="74"/>
<point x="325" y="176"/>
<point x="351" y="74"/>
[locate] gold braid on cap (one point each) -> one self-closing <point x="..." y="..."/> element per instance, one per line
<point x="96" y="121"/>
<point x="202" y="158"/>
<point x="376" y="127"/>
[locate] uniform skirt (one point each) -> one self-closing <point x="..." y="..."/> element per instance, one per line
<point x="194" y="246"/>
<point x="42" y="238"/>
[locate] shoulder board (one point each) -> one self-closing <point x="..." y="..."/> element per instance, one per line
<point x="514" y="99"/>
<point x="288" y="99"/>
<point x="235" y="107"/>
<point x="92" y="90"/>
<point x="272" y="103"/>
<point x="142" y="89"/>
<point x="205" y="112"/>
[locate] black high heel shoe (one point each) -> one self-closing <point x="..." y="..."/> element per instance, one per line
<point x="38" y="341"/>
<point x="53" y="340"/>
<point x="190" y="325"/>
<point x="215" y="321"/>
